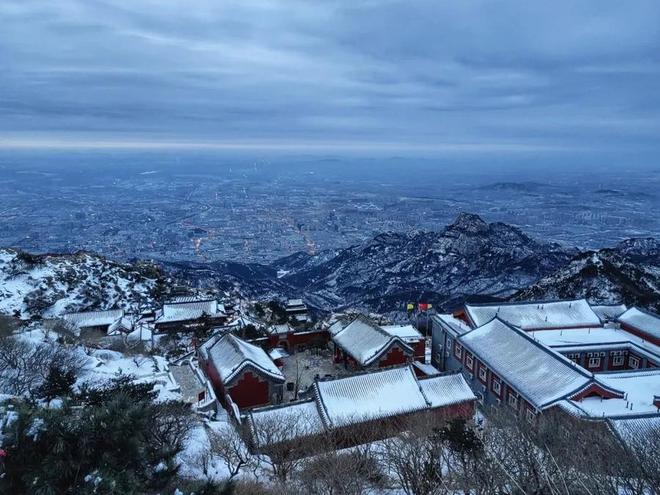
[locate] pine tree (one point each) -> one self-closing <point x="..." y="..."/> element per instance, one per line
<point x="116" y="443"/>
<point x="59" y="383"/>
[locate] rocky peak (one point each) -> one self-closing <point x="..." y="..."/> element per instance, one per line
<point x="469" y="223"/>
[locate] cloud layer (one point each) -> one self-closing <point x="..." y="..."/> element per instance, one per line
<point x="454" y="75"/>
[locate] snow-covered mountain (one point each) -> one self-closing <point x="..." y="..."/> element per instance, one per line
<point x="49" y="285"/>
<point x="467" y="257"/>
<point x="629" y="272"/>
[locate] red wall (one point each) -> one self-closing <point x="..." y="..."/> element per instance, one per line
<point x="293" y="339"/>
<point x="249" y="390"/>
<point x="305" y="338"/>
<point x="394" y="356"/>
<point x="595" y="389"/>
<point x="420" y="350"/>
<point x="463" y="410"/>
<point x="339" y="356"/>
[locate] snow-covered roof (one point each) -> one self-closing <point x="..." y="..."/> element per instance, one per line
<point x="456" y="326"/>
<point x="642" y="320"/>
<point x="276" y="424"/>
<point x="639" y="387"/>
<point x="281" y="329"/>
<point x="427" y="369"/>
<point x="356" y="399"/>
<point x="125" y="323"/>
<point x="536" y="315"/>
<point x="381" y="394"/>
<point x="277" y="353"/>
<point x="446" y="390"/>
<point x="230" y="355"/>
<point x="339" y="325"/>
<point x="94" y="318"/>
<point x="407" y="333"/>
<point x="295" y="305"/>
<point x="540" y="375"/>
<point x="639" y="432"/>
<point x="365" y="341"/>
<point x="609" y="312"/>
<point x="185" y="299"/>
<point x="185" y="311"/>
<point x="570" y="339"/>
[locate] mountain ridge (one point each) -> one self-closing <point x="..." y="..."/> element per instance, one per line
<point x="470" y="258"/>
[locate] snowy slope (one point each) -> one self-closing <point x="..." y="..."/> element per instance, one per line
<point x="469" y="256"/>
<point x="50" y="285"/>
<point x="628" y="273"/>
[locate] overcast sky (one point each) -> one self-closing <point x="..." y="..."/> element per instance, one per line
<point x="459" y="75"/>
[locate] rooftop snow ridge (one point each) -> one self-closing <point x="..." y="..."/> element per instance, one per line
<point x="364" y="340"/>
<point x="641" y="319"/>
<point x="532" y="315"/>
<point x="539" y="374"/>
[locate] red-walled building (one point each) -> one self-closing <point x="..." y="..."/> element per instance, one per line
<point x="362" y="408"/>
<point x="364" y="345"/>
<point x="411" y="336"/>
<point x="293" y="340"/>
<point x="506" y="365"/>
<point x="242" y="371"/>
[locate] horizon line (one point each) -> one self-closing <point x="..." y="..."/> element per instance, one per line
<point x="14" y="143"/>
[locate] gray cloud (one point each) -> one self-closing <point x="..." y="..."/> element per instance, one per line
<point x="507" y="75"/>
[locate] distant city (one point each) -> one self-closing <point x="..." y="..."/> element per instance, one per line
<point x="208" y="208"/>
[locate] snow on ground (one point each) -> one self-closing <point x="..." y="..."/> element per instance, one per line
<point x="196" y="460"/>
<point x="51" y="285"/>
<point x="306" y="366"/>
<point x="104" y="365"/>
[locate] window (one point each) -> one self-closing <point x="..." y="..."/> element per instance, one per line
<point x="449" y="344"/>
<point x="468" y="361"/>
<point x="617" y="361"/>
<point x="513" y="400"/>
<point x="458" y="351"/>
<point x="594" y="362"/>
<point x="574" y="356"/>
<point x="482" y="373"/>
<point x="497" y="386"/>
<point x="633" y="362"/>
<point x="530" y="415"/>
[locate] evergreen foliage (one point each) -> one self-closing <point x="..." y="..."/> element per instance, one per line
<point x="459" y="437"/>
<point x="118" y="442"/>
<point x="58" y="383"/>
<point x="279" y="313"/>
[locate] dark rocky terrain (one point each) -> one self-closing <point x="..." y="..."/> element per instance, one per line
<point x="467" y="259"/>
<point x="628" y="273"/>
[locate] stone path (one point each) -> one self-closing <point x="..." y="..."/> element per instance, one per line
<point x="188" y="382"/>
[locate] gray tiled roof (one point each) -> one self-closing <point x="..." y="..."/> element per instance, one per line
<point x="540" y="375"/>
<point x="535" y="315"/>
